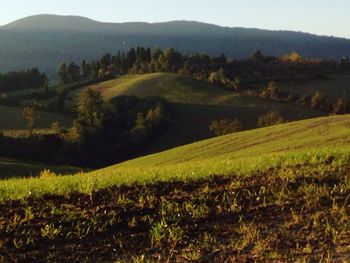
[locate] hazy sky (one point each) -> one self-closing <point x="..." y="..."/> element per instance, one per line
<point x="325" y="17"/>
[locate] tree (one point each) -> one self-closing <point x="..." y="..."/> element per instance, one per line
<point x="237" y="84"/>
<point x="173" y="60"/>
<point x="218" y="77"/>
<point x="271" y="118"/>
<point x="85" y="70"/>
<point x="73" y="72"/>
<point x="62" y="72"/>
<point x="318" y="100"/>
<point x="30" y="114"/>
<point x="225" y="126"/>
<point x="272" y="90"/>
<point x="340" y="106"/>
<point x="292" y="57"/>
<point x="257" y="55"/>
<point x="90" y="110"/>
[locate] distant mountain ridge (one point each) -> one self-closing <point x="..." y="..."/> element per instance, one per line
<point x="46" y="40"/>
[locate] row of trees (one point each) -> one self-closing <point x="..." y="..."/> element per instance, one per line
<point x="103" y="133"/>
<point x="30" y="79"/>
<point x="318" y="100"/>
<point x="144" y="60"/>
<point x="228" y="126"/>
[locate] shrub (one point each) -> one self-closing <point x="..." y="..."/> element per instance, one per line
<point x="318" y="100"/>
<point x="340" y="106"/>
<point x="225" y="126"/>
<point x="271" y="118"/>
<point x="46" y="173"/>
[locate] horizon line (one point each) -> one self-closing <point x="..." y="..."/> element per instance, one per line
<point x="176" y="20"/>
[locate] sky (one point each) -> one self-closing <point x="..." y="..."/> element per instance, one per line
<point x="322" y="17"/>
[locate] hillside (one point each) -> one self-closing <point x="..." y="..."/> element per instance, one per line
<point x="14" y="121"/>
<point x="336" y="85"/>
<point x="45" y="41"/>
<point x="197" y="102"/>
<point x="278" y="194"/>
<point x="18" y="169"/>
<point x="239" y="153"/>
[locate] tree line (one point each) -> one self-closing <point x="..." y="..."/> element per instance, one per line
<point x="216" y="69"/>
<point x="30" y="79"/>
<point x="102" y="133"/>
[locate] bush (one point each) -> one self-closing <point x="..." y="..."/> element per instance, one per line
<point x="271" y="118"/>
<point x="318" y="100"/>
<point x="47" y="173"/>
<point x="225" y="126"/>
<point x="341" y="106"/>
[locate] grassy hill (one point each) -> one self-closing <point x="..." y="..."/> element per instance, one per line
<point x="240" y="153"/>
<point x="13" y="121"/>
<point x="17" y="169"/>
<point x="277" y="194"/>
<point x="195" y="102"/>
<point x="333" y="85"/>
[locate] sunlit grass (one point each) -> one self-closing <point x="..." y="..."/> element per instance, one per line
<point x="307" y="142"/>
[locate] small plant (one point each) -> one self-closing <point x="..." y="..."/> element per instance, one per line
<point x="46" y="173"/>
<point x="161" y="233"/>
<point x="50" y="231"/>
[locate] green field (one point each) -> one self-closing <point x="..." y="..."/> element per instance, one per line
<point x="13" y="120"/>
<point x="277" y="194"/>
<point x="241" y="153"/>
<point x="17" y="169"/>
<point x="332" y="85"/>
<point x="195" y="102"/>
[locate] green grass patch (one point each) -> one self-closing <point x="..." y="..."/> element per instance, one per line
<point x="13" y="120"/>
<point x="195" y="102"/>
<point x="336" y="85"/>
<point x="311" y="142"/>
<point x="17" y="169"/>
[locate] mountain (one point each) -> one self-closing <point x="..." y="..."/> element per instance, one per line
<point x="46" y="40"/>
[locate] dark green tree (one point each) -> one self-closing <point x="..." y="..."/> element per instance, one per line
<point x="62" y="72"/>
<point x="271" y="118"/>
<point x="30" y="114"/>
<point x="225" y="126"/>
<point x="73" y="72"/>
<point x="90" y="110"/>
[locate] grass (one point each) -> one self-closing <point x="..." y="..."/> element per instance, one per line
<point x="289" y="214"/>
<point x="13" y="120"/>
<point x="310" y="141"/>
<point x="195" y="102"/>
<point x="17" y="169"/>
<point x="277" y="194"/>
<point x="333" y="86"/>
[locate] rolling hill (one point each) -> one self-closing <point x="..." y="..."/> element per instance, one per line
<point x="197" y="102"/>
<point x="307" y="141"/>
<point x="18" y="169"/>
<point x="336" y="85"/>
<point x="13" y="121"/>
<point x="277" y="194"/>
<point x="45" y="41"/>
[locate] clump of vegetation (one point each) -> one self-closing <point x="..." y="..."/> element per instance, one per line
<point x="30" y="114"/>
<point x="23" y="80"/>
<point x="271" y="92"/>
<point x="271" y="118"/>
<point x="225" y="126"/>
<point x="46" y="173"/>
<point x="340" y="106"/>
<point x="318" y="100"/>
